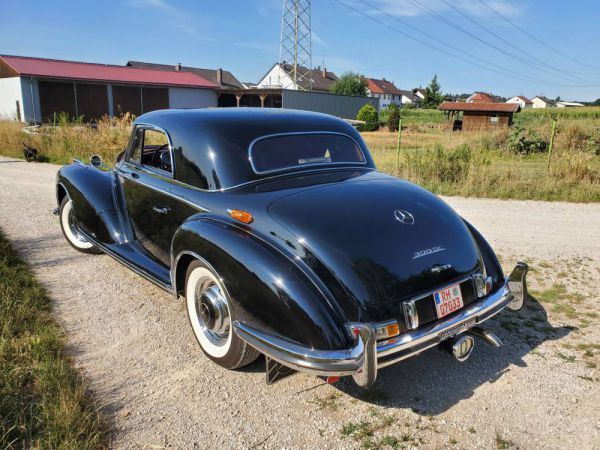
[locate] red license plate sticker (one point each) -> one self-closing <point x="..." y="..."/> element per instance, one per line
<point x="448" y="300"/>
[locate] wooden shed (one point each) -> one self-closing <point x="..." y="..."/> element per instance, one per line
<point x="480" y="116"/>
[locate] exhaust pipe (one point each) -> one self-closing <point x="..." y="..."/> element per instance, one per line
<point x="460" y="347"/>
<point x="487" y="336"/>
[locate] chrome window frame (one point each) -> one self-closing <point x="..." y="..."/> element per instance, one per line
<point x="146" y="168"/>
<point x="299" y="133"/>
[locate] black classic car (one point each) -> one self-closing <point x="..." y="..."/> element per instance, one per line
<point x="284" y="239"/>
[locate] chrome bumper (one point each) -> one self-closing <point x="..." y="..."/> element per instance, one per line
<point x="367" y="355"/>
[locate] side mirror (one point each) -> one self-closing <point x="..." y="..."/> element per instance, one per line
<point x="518" y="286"/>
<point x="96" y="161"/>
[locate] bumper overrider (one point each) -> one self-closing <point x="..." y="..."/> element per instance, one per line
<point x="367" y="355"/>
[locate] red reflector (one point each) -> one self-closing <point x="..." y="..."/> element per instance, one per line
<point x="332" y="380"/>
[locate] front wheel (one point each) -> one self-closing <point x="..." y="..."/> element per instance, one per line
<point x="211" y="317"/>
<point x="70" y="228"/>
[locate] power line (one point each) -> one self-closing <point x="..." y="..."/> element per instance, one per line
<point x="531" y="36"/>
<point x="460" y="50"/>
<point x="504" y="72"/>
<point x="522" y="60"/>
<point x="510" y="44"/>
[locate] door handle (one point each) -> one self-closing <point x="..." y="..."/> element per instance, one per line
<point x="161" y="209"/>
<point x="134" y="175"/>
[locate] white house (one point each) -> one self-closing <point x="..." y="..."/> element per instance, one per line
<point x="280" y="76"/>
<point x="521" y="100"/>
<point x="409" y="97"/>
<point x="419" y="93"/>
<point x="568" y="105"/>
<point x="540" y="101"/>
<point x="385" y="91"/>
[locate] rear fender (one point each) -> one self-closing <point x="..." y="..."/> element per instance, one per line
<point x="490" y="260"/>
<point x="268" y="291"/>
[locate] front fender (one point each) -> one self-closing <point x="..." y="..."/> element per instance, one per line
<point x="92" y="192"/>
<point x="268" y="291"/>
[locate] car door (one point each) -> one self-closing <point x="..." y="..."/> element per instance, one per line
<point x="146" y="177"/>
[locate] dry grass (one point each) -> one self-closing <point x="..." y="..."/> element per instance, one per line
<point x="479" y="164"/>
<point x="468" y="163"/>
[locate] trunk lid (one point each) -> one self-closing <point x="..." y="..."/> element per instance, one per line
<point x="380" y="238"/>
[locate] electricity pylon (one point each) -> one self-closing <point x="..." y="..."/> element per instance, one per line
<point x="295" y="45"/>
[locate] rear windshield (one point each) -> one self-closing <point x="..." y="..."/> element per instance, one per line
<point x="275" y="153"/>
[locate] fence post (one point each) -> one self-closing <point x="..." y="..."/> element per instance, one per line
<point x="551" y="141"/>
<point x="398" y="144"/>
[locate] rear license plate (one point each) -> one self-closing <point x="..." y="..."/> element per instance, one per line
<point x="458" y="329"/>
<point x="448" y="300"/>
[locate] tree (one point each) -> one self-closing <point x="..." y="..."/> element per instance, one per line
<point x="350" y="83"/>
<point x="393" y="117"/>
<point x="433" y="94"/>
<point x="368" y="114"/>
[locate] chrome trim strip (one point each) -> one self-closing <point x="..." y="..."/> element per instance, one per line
<point x="131" y="166"/>
<point x="300" y="133"/>
<point x="126" y="263"/>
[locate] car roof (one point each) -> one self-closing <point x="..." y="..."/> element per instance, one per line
<point x="225" y="134"/>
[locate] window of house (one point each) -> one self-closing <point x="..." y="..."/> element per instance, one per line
<point x="494" y="120"/>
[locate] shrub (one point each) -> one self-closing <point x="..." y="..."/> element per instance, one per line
<point x="525" y="142"/>
<point x="368" y="114"/>
<point x="393" y="117"/>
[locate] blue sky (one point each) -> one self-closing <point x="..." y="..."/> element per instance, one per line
<point x="243" y="37"/>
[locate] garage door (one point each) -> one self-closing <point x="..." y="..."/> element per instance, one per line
<point x="56" y="97"/>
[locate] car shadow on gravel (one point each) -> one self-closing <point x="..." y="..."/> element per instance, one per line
<point x="434" y="381"/>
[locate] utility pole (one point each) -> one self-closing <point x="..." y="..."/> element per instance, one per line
<point x="295" y="48"/>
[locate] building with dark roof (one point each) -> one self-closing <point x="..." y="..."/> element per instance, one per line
<point x="36" y="90"/>
<point x="280" y="76"/>
<point x="539" y="101"/>
<point x="223" y="78"/>
<point x="521" y="100"/>
<point x="480" y="115"/>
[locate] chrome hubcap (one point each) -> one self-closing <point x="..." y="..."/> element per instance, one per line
<point x="74" y="227"/>
<point x="212" y="312"/>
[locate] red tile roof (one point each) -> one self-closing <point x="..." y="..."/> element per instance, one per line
<point x="52" y="68"/>
<point x="480" y="107"/>
<point x="382" y="87"/>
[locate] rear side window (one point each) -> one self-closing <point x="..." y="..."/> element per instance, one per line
<point x="274" y="153"/>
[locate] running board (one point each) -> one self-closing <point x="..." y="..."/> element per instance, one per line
<point x="118" y="251"/>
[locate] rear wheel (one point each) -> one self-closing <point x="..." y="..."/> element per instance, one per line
<point x="211" y="317"/>
<point x="70" y="228"/>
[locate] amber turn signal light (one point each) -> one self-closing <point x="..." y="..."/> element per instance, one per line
<point x="240" y="215"/>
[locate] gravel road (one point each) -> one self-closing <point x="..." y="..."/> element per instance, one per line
<point x="134" y="345"/>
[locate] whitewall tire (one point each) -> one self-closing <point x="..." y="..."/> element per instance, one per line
<point x="211" y="316"/>
<point x="70" y="229"/>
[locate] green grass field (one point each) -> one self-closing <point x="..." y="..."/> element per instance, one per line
<point x="43" y="401"/>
